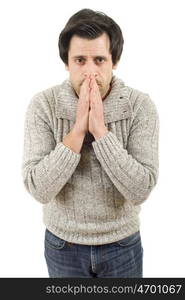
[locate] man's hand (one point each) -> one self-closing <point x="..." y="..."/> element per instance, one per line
<point x="96" y="118"/>
<point x="82" y="113"/>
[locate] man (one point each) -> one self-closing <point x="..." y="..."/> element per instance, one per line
<point x="91" y="156"/>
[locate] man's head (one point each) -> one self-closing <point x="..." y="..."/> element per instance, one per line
<point x="91" y="43"/>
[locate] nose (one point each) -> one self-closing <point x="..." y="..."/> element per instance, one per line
<point x="90" y="68"/>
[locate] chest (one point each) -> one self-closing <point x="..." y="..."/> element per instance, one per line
<point x="119" y="128"/>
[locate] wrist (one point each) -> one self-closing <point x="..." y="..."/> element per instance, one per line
<point x="76" y="131"/>
<point x="101" y="133"/>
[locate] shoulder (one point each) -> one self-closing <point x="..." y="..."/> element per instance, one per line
<point x="44" y="102"/>
<point x="46" y="97"/>
<point x="141" y="102"/>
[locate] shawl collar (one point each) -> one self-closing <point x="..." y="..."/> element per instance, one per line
<point x="116" y="105"/>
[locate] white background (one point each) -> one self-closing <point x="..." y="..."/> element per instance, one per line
<point x="152" y="61"/>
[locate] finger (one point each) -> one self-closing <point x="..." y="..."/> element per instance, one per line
<point x="84" y="83"/>
<point x="94" y="83"/>
<point x="95" y="92"/>
<point x="87" y="83"/>
<point x="84" y="86"/>
<point x="84" y="91"/>
<point x="87" y="88"/>
<point x="92" y="96"/>
<point x="91" y="81"/>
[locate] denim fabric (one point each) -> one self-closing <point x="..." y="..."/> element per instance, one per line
<point x="120" y="259"/>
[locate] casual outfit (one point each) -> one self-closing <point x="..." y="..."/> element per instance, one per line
<point x="91" y="199"/>
<point x="121" y="259"/>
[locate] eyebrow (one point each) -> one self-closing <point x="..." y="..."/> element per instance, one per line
<point x="83" y="56"/>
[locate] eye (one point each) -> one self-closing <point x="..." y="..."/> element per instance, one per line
<point x="79" y="61"/>
<point x="100" y="60"/>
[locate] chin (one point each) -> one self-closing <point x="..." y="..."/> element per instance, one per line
<point x="77" y="91"/>
<point x="102" y="93"/>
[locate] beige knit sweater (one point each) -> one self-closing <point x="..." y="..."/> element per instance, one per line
<point x="93" y="197"/>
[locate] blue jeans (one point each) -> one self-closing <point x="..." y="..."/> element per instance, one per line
<point x="120" y="259"/>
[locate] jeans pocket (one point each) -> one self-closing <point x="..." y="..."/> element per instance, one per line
<point x="52" y="241"/>
<point x="130" y="240"/>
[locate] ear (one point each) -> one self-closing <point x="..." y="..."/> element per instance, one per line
<point x="114" y="67"/>
<point x="66" y="67"/>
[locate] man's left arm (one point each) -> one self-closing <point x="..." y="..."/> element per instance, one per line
<point x="133" y="171"/>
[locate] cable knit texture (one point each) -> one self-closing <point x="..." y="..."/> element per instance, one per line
<point x="93" y="197"/>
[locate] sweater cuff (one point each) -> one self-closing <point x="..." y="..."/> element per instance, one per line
<point x="109" y="148"/>
<point x="63" y="160"/>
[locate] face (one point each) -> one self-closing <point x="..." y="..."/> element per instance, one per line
<point x="87" y="57"/>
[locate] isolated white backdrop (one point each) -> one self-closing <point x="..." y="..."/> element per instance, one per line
<point x="152" y="61"/>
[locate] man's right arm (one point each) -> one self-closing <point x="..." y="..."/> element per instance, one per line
<point x="74" y="140"/>
<point x="47" y="166"/>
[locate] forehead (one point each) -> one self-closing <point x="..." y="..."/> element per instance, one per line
<point x="83" y="46"/>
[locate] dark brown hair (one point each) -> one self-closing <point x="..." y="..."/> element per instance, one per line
<point x="90" y="24"/>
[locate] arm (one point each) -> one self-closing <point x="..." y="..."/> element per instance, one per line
<point x="134" y="171"/>
<point x="74" y="140"/>
<point x="46" y="166"/>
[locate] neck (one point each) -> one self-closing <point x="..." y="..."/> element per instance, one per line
<point x="107" y="91"/>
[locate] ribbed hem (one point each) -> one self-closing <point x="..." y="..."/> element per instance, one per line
<point x="86" y="237"/>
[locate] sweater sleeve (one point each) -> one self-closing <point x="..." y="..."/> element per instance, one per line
<point x="133" y="171"/>
<point x="46" y="166"/>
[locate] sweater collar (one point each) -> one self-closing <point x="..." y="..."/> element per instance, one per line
<point x="116" y="105"/>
